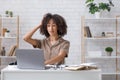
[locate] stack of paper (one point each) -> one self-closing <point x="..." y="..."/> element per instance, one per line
<point x="84" y="66"/>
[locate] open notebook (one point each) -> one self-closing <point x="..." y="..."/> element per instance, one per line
<point x="30" y="59"/>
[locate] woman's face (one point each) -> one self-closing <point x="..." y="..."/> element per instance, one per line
<point x="52" y="28"/>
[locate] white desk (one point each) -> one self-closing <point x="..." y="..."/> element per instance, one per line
<point x="13" y="73"/>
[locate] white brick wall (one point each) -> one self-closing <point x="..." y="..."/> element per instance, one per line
<point x="32" y="11"/>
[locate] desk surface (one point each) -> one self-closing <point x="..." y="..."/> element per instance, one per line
<point x="13" y="73"/>
<point x="13" y="68"/>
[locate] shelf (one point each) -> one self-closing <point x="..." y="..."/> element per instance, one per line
<point x="100" y="19"/>
<point x="101" y="38"/>
<point x="93" y="38"/>
<point x="110" y="65"/>
<point x="3" y="17"/>
<point x="110" y="73"/>
<point x="11" y="41"/>
<point x="107" y="57"/>
<point x="7" y="56"/>
<point x="7" y="37"/>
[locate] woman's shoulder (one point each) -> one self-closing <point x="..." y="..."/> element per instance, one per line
<point x="64" y="40"/>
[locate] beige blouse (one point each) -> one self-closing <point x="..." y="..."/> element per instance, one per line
<point x="51" y="51"/>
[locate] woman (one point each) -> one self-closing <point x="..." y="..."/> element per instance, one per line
<point x="54" y="46"/>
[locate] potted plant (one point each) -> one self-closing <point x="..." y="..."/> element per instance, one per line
<point x="7" y="33"/>
<point x="11" y="13"/>
<point x="98" y="7"/>
<point x="7" y="13"/>
<point x="109" y="50"/>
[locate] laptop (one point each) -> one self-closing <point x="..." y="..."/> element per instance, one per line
<point x="30" y="59"/>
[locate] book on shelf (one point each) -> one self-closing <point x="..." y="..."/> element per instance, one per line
<point x="87" y="31"/>
<point x="12" y="50"/>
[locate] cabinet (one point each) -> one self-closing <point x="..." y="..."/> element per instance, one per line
<point x="97" y="34"/>
<point x="9" y="39"/>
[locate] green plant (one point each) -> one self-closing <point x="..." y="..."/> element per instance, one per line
<point x="109" y="49"/>
<point x="11" y="13"/>
<point x="7" y="31"/>
<point x="6" y="12"/>
<point x="93" y="7"/>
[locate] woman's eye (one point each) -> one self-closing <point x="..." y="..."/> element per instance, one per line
<point x="54" y="25"/>
<point x="48" y="25"/>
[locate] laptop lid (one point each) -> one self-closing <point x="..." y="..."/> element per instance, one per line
<point x="30" y="59"/>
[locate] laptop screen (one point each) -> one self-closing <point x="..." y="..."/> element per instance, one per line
<point x="30" y="59"/>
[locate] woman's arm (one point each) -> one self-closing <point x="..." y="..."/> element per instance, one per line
<point x="62" y="54"/>
<point x="28" y="36"/>
<point x="56" y="59"/>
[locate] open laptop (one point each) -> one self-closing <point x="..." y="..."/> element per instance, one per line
<point x="30" y="59"/>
